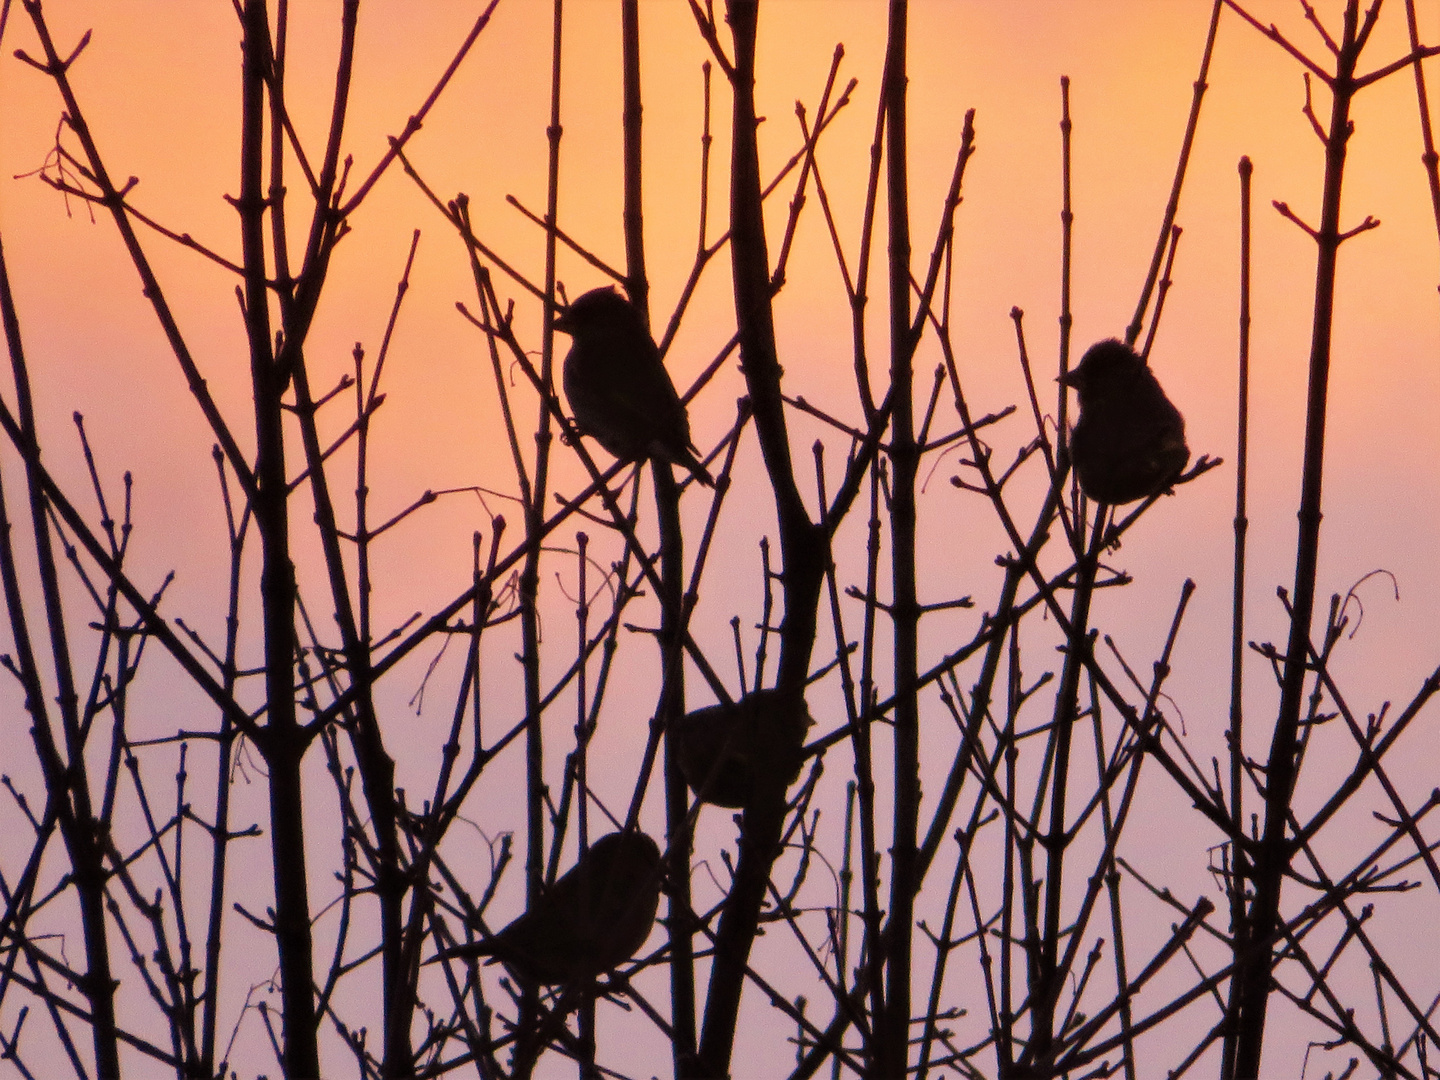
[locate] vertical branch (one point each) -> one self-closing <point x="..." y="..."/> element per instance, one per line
<point x="582" y="688"/>
<point x="1165" y="283"/>
<point x="860" y="295"/>
<point x="585" y="1021"/>
<point x="376" y="766"/>
<point x="679" y="824"/>
<point x="1050" y="980"/>
<point x="637" y="285"/>
<point x="220" y="835"/>
<point x="758" y="360"/>
<point x="944" y="944"/>
<point x="534" y="505"/>
<point x="892" y="1053"/>
<point x="1239" y="863"/>
<point x="1273" y="854"/>
<point x="1106" y="867"/>
<point x="842" y="913"/>
<point x="1067" y="238"/>
<point x="1005" y="1034"/>
<point x="944" y="249"/>
<point x="66" y="777"/>
<point x="872" y="949"/>
<point x="284" y="743"/>
<point x="279" y="243"/>
<point x="534" y="510"/>
<point x="802" y="543"/>
<point x="1132" y="332"/>
<point x="1429" y="158"/>
<point x="671" y="705"/>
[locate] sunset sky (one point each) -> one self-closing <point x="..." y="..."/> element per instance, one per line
<point x="159" y="83"/>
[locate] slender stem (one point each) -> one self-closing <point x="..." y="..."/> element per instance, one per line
<point x="893" y="1027"/>
<point x="1172" y="207"/>
<point x="1045" y="994"/>
<point x="1430" y="159"/>
<point x="1273" y="855"/>
<point x="66" y="776"/>
<point x="1239" y="869"/>
<point x="865" y="769"/>
<point x="1111" y="875"/>
<point x="220" y="835"/>
<point x="637" y="285"/>
<point x="284" y="744"/>
<point x="803" y="544"/>
<point x="534" y="508"/>
<point x="1067" y="240"/>
<point x="671" y="703"/>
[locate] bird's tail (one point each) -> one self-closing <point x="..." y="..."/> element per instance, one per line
<point x="688" y="458"/>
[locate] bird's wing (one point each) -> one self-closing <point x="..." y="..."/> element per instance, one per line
<point x="621" y="376"/>
<point x="655" y="395"/>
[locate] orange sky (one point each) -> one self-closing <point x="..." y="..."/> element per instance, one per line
<point x="159" y="83"/>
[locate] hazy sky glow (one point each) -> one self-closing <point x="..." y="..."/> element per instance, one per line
<point x="159" y="83"/>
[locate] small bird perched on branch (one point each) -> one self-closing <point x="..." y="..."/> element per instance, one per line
<point x="730" y="753"/>
<point x="1129" y="442"/>
<point x="617" y="387"/>
<point x="592" y="920"/>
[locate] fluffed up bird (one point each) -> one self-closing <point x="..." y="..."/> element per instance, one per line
<point x="730" y="753"/>
<point x="592" y="920"/>
<point x="617" y="387"/>
<point x="1129" y="442"/>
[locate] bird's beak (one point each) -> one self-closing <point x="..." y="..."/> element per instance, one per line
<point x="563" y="324"/>
<point x="1070" y="378"/>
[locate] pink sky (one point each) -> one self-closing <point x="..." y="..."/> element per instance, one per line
<point x="160" y="81"/>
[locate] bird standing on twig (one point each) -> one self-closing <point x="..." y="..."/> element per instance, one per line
<point x="730" y="754"/>
<point x="1129" y="442"/>
<point x="589" y="922"/>
<point x="617" y="387"/>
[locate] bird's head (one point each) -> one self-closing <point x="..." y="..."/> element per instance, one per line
<point x="598" y="309"/>
<point x="1105" y="365"/>
<point x="626" y="855"/>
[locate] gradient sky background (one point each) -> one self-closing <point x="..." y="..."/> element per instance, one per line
<point x="160" y="82"/>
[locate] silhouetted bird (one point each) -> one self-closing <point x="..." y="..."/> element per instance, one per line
<point x="730" y="753"/>
<point x="1129" y="441"/>
<point x="617" y="387"/>
<point x="593" y="919"/>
